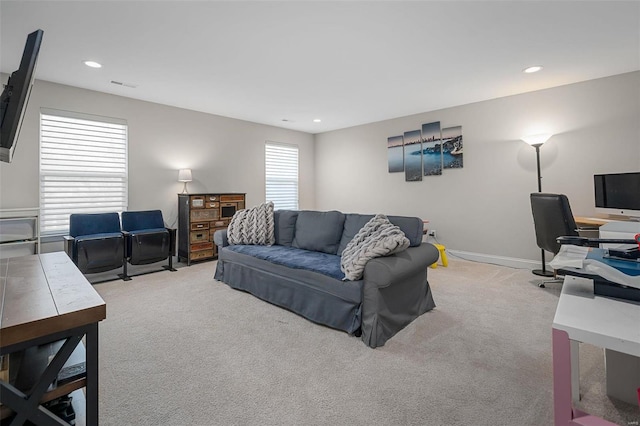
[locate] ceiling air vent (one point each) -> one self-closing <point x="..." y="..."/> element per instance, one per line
<point x="119" y="83"/>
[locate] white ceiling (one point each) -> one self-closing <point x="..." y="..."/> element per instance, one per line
<point x="347" y="62"/>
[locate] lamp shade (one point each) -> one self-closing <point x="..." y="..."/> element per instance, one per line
<point x="184" y="175"/>
<point x="538" y="139"/>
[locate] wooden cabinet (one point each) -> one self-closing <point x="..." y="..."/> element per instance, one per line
<point x="199" y="217"/>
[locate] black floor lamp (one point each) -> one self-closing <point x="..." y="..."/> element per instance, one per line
<point x="536" y="141"/>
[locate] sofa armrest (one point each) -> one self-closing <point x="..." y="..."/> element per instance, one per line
<point x="395" y="292"/>
<point x="220" y="238"/>
<point x="384" y="271"/>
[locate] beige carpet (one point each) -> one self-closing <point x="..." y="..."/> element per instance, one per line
<point x="182" y="349"/>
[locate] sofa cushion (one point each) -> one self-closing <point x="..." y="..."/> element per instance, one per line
<point x="352" y="224"/>
<point x="285" y="226"/>
<point x="411" y="226"/>
<point x="252" y="226"/>
<point x="322" y="263"/>
<point x="379" y="237"/>
<point x="319" y="231"/>
<point x="318" y="297"/>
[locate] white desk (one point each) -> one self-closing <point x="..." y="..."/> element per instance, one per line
<point x="583" y="317"/>
<point x="622" y="230"/>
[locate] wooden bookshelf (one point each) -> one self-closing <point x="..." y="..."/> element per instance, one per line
<point x="199" y="217"/>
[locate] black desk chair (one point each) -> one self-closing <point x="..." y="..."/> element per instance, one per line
<point x="552" y="218"/>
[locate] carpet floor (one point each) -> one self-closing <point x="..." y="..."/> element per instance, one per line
<point x="179" y="348"/>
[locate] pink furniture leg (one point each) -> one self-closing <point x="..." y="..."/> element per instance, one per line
<point x="563" y="412"/>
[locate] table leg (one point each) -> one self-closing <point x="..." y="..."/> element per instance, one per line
<point x="563" y="411"/>
<point x="27" y="407"/>
<point x="575" y="370"/>
<point x="92" y="374"/>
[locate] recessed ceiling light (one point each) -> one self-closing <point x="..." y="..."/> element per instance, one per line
<point x="92" y="64"/>
<point x="317" y="120"/>
<point x="533" y="69"/>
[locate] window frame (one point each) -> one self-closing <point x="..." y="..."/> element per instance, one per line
<point x="122" y="175"/>
<point x="296" y="181"/>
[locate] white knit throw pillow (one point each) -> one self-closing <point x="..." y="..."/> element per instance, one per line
<point x="377" y="238"/>
<point x="252" y="226"/>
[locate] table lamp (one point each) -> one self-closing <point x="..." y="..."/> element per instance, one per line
<point x="184" y="175"/>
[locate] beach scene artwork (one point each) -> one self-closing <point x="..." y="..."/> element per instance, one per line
<point x="395" y="154"/>
<point x="413" y="156"/>
<point x="432" y="149"/>
<point x="452" y="147"/>
<point x="425" y="152"/>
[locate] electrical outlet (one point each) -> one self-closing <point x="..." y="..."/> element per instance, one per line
<point x="432" y="233"/>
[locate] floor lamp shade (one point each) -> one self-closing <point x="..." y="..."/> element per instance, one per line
<point x="184" y="175"/>
<point x="538" y="139"/>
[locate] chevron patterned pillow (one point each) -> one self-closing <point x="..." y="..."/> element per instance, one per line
<point x="377" y="238"/>
<point x="253" y="226"/>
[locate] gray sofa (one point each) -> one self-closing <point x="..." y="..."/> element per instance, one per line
<point x="301" y="272"/>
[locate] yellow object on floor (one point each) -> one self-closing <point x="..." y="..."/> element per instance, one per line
<point x="443" y="256"/>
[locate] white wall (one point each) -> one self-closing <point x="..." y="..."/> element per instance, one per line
<point x="226" y="155"/>
<point x="484" y="207"/>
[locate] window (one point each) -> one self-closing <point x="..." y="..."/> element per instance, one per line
<point x="281" y="173"/>
<point x="83" y="167"/>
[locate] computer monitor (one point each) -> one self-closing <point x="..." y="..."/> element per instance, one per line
<point x="617" y="194"/>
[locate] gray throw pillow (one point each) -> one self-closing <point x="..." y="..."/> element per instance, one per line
<point x="377" y="238"/>
<point x="319" y="231"/>
<point x="353" y="223"/>
<point x="285" y="226"/>
<point x="252" y="226"/>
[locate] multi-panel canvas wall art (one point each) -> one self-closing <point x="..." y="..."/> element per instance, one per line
<point x="431" y="149"/>
<point x="426" y="151"/>
<point x="395" y="154"/>
<point x="412" y="156"/>
<point x="452" y="147"/>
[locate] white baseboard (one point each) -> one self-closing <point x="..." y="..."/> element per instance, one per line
<point x="511" y="262"/>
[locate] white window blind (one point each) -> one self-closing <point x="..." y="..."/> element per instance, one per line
<point x="83" y="167"/>
<point x="281" y="166"/>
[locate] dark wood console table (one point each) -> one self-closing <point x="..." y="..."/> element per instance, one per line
<point x="46" y="302"/>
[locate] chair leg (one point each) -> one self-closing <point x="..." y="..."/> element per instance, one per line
<point x="170" y="266"/>
<point x="556" y="279"/>
<point x="124" y="275"/>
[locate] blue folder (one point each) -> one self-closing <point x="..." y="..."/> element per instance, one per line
<point x="627" y="267"/>
<point x="604" y="287"/>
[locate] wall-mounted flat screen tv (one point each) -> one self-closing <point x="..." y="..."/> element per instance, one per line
<point x="15" y="96"/>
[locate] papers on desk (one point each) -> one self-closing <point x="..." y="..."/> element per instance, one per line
<point x="593" y="261"/>
<point x="569" y="257"/>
